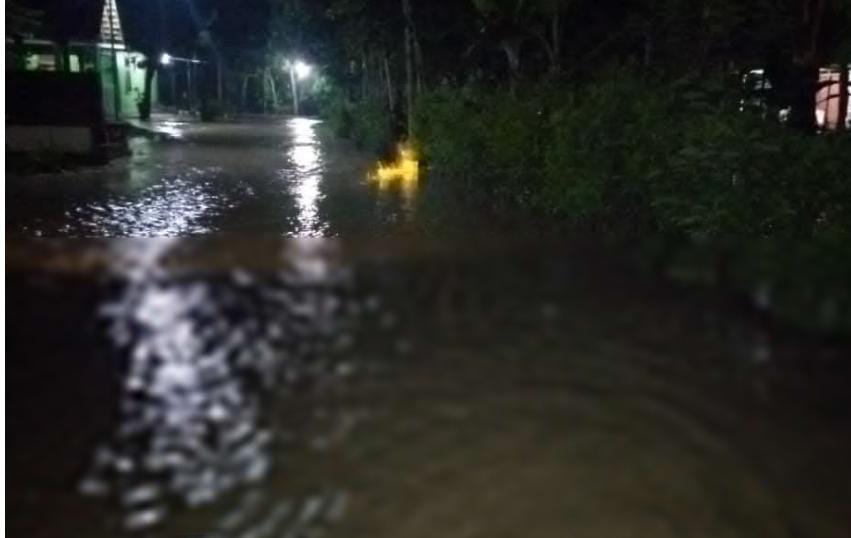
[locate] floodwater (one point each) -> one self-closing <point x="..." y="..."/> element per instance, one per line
<point x="286" y="177"/>
<point x="366" y="379"/>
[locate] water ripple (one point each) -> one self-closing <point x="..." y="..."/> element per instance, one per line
<point x="203" y="355"/>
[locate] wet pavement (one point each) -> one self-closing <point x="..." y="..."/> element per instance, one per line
<point x="380" y="378"/>
<point x="276" y="176"/>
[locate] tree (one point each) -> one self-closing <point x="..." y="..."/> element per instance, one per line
<point x="298" y="31"/>
<point x="547" y="27"/>
<point x="21" y="21"/>
<point x="410" y="37"/>
<point x="504" y="24"/>
<point x="511" y="23"/>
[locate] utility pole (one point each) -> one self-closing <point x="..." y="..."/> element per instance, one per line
<point x="189" y="100"/>
<point x="294" y="85"/>
<point x="174" y="102"/>
<point x="112" y="12"/>
<point x="219" y="81"/>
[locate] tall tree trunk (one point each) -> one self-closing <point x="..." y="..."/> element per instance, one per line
<point x="550" y="41"/>
<point x="147" y="91"/>
<point x="802" y="92"/>
<point x="294" y="88"/>
<point x="219" y="81"/>
<point x="555" y="58"/>
<point x="244" y="94"/>
<point x="364" y="76"/>
<point x="274" y="89"/>
<point x="388" y="78"/>
<point x="409" y="81"/>
<point x="63" y="56"/>
<point x="377" y="86"/>
<point x="173" y="89"/>
<point x="805" y="66"/>
<point x="409" y="66"/>
<point x="190" y="91"/>
<point x="512" y="55"/>
<point x="418" y="59"/>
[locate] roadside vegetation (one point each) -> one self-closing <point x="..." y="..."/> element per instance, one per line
<point x="732" y="199"/>
<point x="635" y="157"/>
<point x="684" y="129"/>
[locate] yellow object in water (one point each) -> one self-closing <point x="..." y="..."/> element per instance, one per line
<point x="405" y="168"/>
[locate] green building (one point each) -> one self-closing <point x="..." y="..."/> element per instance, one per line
<point x="121" y="69"/>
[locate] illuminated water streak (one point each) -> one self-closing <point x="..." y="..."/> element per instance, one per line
<point x="202" y="353"/>
<point x="307" y="175"/>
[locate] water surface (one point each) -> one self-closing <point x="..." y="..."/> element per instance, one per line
<point x="477" y="388"/>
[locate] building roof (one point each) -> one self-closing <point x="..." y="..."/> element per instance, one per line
<point x="82" y="20"/>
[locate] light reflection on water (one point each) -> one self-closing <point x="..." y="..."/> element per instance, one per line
<point x="171" y="128"/>
<point x="203" y="356"/>
<point x="305" y="178"/>
<point x="534" y="391"/>
<point x="401" y="176"/>
<point x="278" y="177"/>
<point x="171" y="207"/>
<point x="403" y="190"/>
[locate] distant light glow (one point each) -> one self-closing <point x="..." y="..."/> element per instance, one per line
<point x="165" y="58"/>
<point x="302" y="70"/>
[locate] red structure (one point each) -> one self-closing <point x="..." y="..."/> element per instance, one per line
<point x="833" y="111"/>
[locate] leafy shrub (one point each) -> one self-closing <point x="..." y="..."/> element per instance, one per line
<point x="664" y="160"/>
<point x="368" y="123"/>
<point x="489" y="140"/>
<point x="372" y="126"/>
<point x="678" y="158"/>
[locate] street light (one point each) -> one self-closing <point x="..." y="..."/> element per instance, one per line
<point x="299" y="70"/>
<point x="167" y="60"/>
<point x="302" y="70"/>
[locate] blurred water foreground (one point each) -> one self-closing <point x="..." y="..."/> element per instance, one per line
<point x="269" y="387"/>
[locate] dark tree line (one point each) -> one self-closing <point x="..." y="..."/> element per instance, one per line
<point x="403" y="46"/>
<point x="394" y="49"/>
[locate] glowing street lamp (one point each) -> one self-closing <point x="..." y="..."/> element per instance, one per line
<point x="299" y="70"/>
<point x="302" y="70"/>
<point x="167" y="60"/>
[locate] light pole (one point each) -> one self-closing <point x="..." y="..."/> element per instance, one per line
<point x="112" y="12"/>
<point x="167" y="59"/>
<point x="299" y="70"/>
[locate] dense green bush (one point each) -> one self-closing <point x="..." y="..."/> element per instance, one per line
<point x="489" y="140"/>
<point x="675" y="158"/>
<point x="372" y="126"/>
<point x="368" y="123"/>
<point x="677" y="161"/>
<point x="335" y="109"/>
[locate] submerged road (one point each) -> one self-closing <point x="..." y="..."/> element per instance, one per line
<point x="244" y="384"/>
<point x="284" y="177"/>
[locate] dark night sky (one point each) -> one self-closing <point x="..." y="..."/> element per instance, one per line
<point x="240" y="23"/>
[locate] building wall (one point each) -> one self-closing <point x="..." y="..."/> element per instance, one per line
<point x="131" y="82"/>
<point x="42" y="55"/>
<point x="53" y="112"/>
